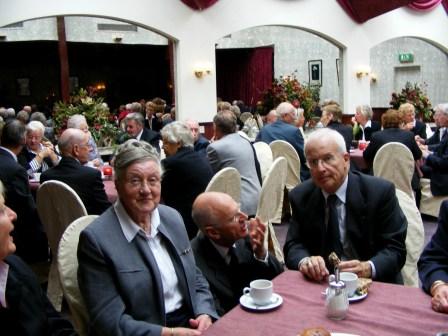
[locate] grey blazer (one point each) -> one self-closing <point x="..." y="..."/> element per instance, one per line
<point x="234" y="151"/>
<point x="120" y="281"/>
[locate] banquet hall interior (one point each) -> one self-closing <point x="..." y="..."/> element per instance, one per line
<point x="195" y="53"/>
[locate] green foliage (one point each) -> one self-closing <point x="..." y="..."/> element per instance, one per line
<point x="288" y="88"/>
<point x="416" y="95"/>
<point x="102" y="124"/>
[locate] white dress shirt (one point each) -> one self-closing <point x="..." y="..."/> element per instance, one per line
<point x="4" y="269"/>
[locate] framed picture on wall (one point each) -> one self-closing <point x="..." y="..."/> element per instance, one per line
<point x="315" y="72"/>
<point x="23" y="86"/>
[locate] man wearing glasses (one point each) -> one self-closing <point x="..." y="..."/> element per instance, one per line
<point x="354" y="215"/>
<point x="86" y="181"/>
<point x="229" y="250"/>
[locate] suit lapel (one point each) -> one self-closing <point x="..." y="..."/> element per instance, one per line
<point x="316" y="223"/>
<point x="355" y="209"/>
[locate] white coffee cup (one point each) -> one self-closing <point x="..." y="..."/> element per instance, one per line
<point x="260" y="291"/>
<point x="351" y="282"/>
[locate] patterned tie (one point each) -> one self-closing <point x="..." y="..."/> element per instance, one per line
<point x="333" y="235"/>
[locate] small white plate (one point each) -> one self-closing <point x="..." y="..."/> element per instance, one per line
<point x="357" y="297"/>
<point x="246" y="302"/>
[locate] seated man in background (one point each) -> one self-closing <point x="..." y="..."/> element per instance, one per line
<point x="433" y="264"/>
<point x="433" y="142"/>
<point x="200" y="142"/>
<point x="436" y="163"/>
<point x="135" y="129"/>
<point x="354" y="215"/>
<point x="86" y="181"/>
<point x="229" y="250"/>
<point x="24" y="307"/>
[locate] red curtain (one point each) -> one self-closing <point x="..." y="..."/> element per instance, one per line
<point x="244" y="73"/>
<point x="199" y="4"/>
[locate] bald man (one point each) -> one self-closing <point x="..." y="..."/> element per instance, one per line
<point x="229" y="249"/>
<point x="86" y="181"/>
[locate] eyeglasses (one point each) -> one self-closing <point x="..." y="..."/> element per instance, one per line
<point x="326" y="161"/>
<point x="139" y="183"/>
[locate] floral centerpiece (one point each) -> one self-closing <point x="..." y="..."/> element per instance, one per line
<point x="102" y="124"/>
<point x="288" y="88"/>
<point x="416" y="95"/>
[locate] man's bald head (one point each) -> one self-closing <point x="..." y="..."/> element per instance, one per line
<point x="73" y="143"/>
<point x="208" y="207"/>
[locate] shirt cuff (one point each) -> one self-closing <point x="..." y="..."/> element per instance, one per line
<point x="372" y="265"/>
<point x="264" y="260"/>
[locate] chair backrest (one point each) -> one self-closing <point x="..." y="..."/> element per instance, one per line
<point x="285" y="149"/>
<point x="264" y="156"/>
<point x="415" y="238"/>
<point x="58" y="205"/>
<point x="271" y="197"/>
<point x="67" y="262"/>
<point x="228" y="181"/>
<point x="395" y="163"/>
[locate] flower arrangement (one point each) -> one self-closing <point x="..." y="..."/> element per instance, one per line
<point x="288" y="88"/>
<point x="416" y="95"/>
<point x="102" y="124"/>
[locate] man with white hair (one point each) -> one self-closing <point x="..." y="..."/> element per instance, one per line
<point x="200" y="142"/>
<point x="354" y="215"/>
<point x="284" y="129"/>
<point x="366" y="126"/>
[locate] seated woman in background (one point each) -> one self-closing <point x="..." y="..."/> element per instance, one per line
<point x="79" y="121"/>
<point x="186" y="173"/>
<point x="137" y="273"/>
<point x="38" y="154"/>
<point x="365" y="126"/>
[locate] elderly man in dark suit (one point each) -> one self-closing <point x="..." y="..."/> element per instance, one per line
<point x="439" y="134"/>
<point x="433" y="264"/>
<point x="86" y="181"/>
<point x="135" y="129"/>
<point x="24" y="307"/>
<point x="137" y="272"/>
<point x="29" y="236"/>
<point x="436" y="162"/>
<point x="355" y="215"/>
<point x="283" y="129"/>
<point x="200" y="142"/>
<point x="229" y="250"/>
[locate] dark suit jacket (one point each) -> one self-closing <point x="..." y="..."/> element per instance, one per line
<point x="120" y="280"/>
<point x="375" y="225"/>
<point x="434" y="140"/>
<point x="433" y="263"/>
<point x="151" y="137"/>
<point x="156" y="124"/>
<point x="29" y="236"/>
<point x="281" y="130"/>
<point x="201" y="145"/>
<point x="344" y="130"/>
<point x="419" y="129"/>
<point x="227" y="282"/>
<point x="29" y="312"/>
<point x="375" y="126"/>
<point x="437" y="164"/>
<point x="185" y="175"/>
<point x="86" y="181"/>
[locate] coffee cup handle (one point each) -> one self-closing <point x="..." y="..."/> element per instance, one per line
<point x="246" y="290"/>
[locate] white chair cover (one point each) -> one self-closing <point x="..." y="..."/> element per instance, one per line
<point x="264" y="156"/>
<point x="68" y="271"/>
<point x="395" y="163"/>
<point x="430" y="204"/>
<point x="58" y="205"/>
<point x="271" y="197"/>
<point x="415" y="238"/>
<point x="228" y="181"/>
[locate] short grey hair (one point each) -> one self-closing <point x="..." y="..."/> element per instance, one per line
<point x="178" y="132"/>
<point x="136" y="116"/>
<point x="442" y="108"/>
<point x="284" y="108"/>
<point x="327" y="133"/>
<point x="34" y="126"/>
<point x="366" y="111"/>
<point x="11" y="113"/>
<point x="23" y="116"/>
<point x="134" y="151"/>
<point x="39" y="116"/>
<point x="75" y="121"/>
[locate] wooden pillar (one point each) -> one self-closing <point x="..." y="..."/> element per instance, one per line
<point x="63" y="60"/>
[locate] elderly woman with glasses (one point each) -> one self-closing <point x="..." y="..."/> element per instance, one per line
<point x="186" y="173"/>
<point x="137" y="272"/>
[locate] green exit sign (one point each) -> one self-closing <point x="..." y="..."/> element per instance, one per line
<point x="406" y="58"/>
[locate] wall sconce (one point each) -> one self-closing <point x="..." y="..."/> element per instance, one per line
<point x="117" y="38"/>
<point x="362" y="71"/>
<point x="199" y="73"/>
<point x="373" y="77"/>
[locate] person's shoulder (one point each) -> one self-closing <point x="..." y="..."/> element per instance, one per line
<point x="370" y="182"/>
<point x="303" y="188"/>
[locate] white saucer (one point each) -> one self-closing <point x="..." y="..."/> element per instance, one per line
<point x="246" y="302"/>
<point x="357" y="297"/>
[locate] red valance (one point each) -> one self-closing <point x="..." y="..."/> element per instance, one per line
<point x="199" y="4"/>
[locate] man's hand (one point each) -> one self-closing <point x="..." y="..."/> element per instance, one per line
<point x="180" y="332"/>
<point x="201" y="323"/>
<point x="257" y="231"/>
<point x="439" y="301"/>
<point x="362" y="268"/>
<point x="314" y="268"/>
